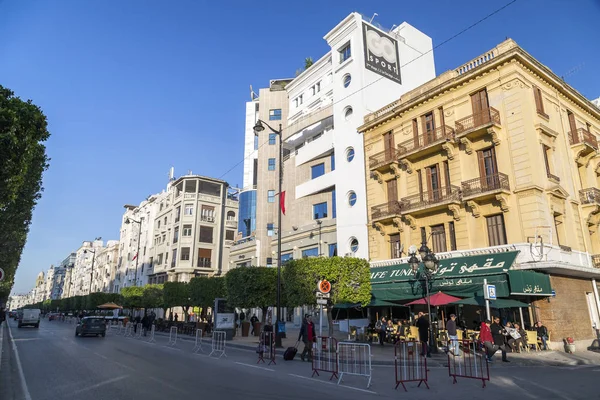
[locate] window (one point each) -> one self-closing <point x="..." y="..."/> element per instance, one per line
<point x="270" y="229"/>
<point x="158" y="226"/>
<point x="317" y="170"/>
<point x="348" y="113"/>
<point x="165" y="220"/>
<point x="272" y="138"/>
<point x="174" y="259"/>
<point x="353" y="245"/>
<point x="320" y="210"/>
<point x="275" y="115"/>
<point x="428" y="128"/>
<point x="452" y="235"/>
<point x="286" y="257"/>
<point x="164" y="238"/>
<point x="349" y="154"/>
<point x="351" y="198"/>
<point x="204" y="258"/>
<point x="271" y="164"/>
<point x="175" y="235"/>
<point x="346" y="80"/>
<point x="206" y="234"/>
<point x="496" y="231"/>
<point x="207" y="214"/>
<point x="488" y="169"/>
<point x="231" y="216"/>
<point x="433" y="183"/>
<point x="161" y="206"/>
<point x="333" y="205"/>
<point x="187" y="230"/>
<point x="333" y="161"/>
<point x="316" y="88"/>
<point x="480" y="107"/>
<point x="271" y="196"/>
<point x="160" y="259"/>
<point x="229" y="235"/>
<point x="255" y="142"/>
<point x="177" y="213"/>
<point x="345" y="52"/>
<point x="210" y="188"/>
<point x="395" y="246"/>
<point x="447" y="175"/>
<point x="438" y="238"/>
<point x="188" y="209"/>
<point x="269" y="262"/>
<point x="332" y="250"/>
<point x="314" y="252"/>
<point x="558" y="226"/>
<point x="300" y="99"/>
<point x="539" y="102"/>
<point x="546" y="151"/>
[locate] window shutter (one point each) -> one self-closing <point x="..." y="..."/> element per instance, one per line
<point x="545" y="151"/>
<point x="481" y="162"/>
<point x="204" y="253"/>
<point x="424" y="129"/>
<point x="392" y="190"/>
<point x="429" y="186"/>
<point x="415" y="127"/>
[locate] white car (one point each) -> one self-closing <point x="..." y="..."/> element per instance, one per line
<point x="29" y="316"/>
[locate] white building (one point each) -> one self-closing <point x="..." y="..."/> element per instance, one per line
<point x="81" y="274"/>
<point x="64" y="287"/>
<point x="17" y="301"/>
<point x="105" y="267"/>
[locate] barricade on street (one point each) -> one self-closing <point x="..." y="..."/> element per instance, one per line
<point x="138" y="331"/>
<point x="218" y="344"/>
<point x="324" y="356"/>
<point x="198" y="343"/>
<point x="266" y="347"/>
<point x="121" y="328"/>
<point x="354" y="359"/>
<point x="409" y="364"/>
<point x="172" y="336"/>
<point x="129" y="329"/>
<point x="469" y="364"/>
<point x="151" y="338"/>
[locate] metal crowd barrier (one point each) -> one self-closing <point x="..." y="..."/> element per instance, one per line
<point x="324" y="356"/>
<point x="198" y="343"/>
<point x="218" y="344"/>
<point x="266" y="347"/>
<point x="121" y="328"/>
<point x="129" y="329"/>
<point x="172" y="336"/>
<point x="354" y="359"/>
<point x="151" y="339"/>
<point x="409" y="364"/>
<point x="138" y="331"/>
<point x="469" y="364"/>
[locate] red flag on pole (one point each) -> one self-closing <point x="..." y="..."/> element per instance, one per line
<point x="134" y="257"/>
<point x="282" y="201"/>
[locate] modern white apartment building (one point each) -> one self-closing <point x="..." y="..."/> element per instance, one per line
<point x="81" y="274"/>
<point x="105" y="266"/>
<point x="68" y="264"/>
<point x="324" y="164"/>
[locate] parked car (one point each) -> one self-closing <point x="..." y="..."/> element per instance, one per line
<point x="91" y="326"/>
<point x="29" y="316"/>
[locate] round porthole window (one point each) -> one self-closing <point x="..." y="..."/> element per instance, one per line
<point x="351" y="198"/>
<point x="346" y="80"/>
<point x="354" y="244"/>
<point x="349" y="154"/>
<point x="348" y="113"/>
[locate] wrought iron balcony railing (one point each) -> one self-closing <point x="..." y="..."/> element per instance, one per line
<point x="383" y="158"/>
<point x="478" y="119"/>
<point x="582" y="135"/>
<point x="589" y="196"/>
<point x="485" y="184"/>
<point x="438" y="135"/>
<point x="385" y="210"/>
<point x="430" y="198"/>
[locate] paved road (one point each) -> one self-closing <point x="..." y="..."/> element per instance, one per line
<point x="57" y="365"/>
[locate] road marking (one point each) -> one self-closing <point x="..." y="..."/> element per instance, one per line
<point x="172" y="348"/>
<point x="331" y="383"/>
<point x="101" y="356"/>
<point x="123" y="365"/>
<point x="167" y="385"/>
<point x="97" y="385"/>
<point x="24" y="387"/>
<point x="557" y="393"/>
<point x="25" y="339"/>
<point x="255" y="366"/>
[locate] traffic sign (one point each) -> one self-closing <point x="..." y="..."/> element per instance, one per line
<point x="323" y="295"/>
<point x="490" y="292"/>
<point x="1" y="274"/>
<point x="322" y="302"/>
<point x="324" y="286"/>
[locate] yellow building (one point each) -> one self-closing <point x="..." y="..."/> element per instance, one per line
<point x="498" y="152"/>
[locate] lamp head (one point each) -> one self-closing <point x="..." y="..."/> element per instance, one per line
<point x="413" y="261"/>
<point x="424" y="250"/>
<point x="258" y="127"/>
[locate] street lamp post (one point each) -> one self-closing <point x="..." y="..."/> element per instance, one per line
<point x="259" y="127"/>
<point x="137" y="254"/>
<point x="430" y="264"/>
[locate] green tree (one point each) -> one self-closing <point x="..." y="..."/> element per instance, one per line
<point x="252" y="287"/>
<point x="177" y="294"/>
<point x="308" y="62"/>
<point x="132" y="296"/>
<point x="23" y="131"/>
<point x="204" y="290"/>
<point x="153" y="296"/>
<point x="349" y="277"/>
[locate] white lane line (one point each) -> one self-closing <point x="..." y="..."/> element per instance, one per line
<point x="554" y="391"/>
<point x="331" y="383"/>
<point x="124" y="366"/>
<point x="97" y="385"/>
<point x="101" y="356"/>
<point x="255" y="366"/>
<point x="172" y="348"/>
<point x="24" y="387"/>
<point x="25" y="339"/>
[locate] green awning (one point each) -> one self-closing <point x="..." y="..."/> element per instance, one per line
<point x="499" y="303"/>
<point x="529" y="283"/>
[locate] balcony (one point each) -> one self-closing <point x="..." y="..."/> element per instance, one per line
<point x="381" y="161"/>
<point x="483" y="186"/>
<point x="385" y="211"/>
<point x="584" y="144"/>
<point x="427" y="200"/>
<point x="204" y="263"/>
<point x="207" y="218"/>
<point x="477" y="123"/>
<point x="596" y="260"/>
<point x="231" y="223"/>
<point x="430" y="142"/>
<point x="590" y="196"/>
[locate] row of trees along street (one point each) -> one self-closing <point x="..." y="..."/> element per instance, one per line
<point x="244" y="288"/>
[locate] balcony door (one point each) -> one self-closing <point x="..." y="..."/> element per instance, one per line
<point x="392" y="191"/>
<point x="480" y="105"/>
<point x="388" y="143"/>
<point x="428" y="128"/>
<point x="434" y="186"/>
<point x="573" y="128"/>
<point x="395" y="245"/>
<point x="488" y="169"/>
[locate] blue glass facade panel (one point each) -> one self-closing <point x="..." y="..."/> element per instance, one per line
<point x="247" y="213"/>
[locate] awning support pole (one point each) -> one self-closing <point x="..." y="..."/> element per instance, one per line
<point x="522" y="320"/>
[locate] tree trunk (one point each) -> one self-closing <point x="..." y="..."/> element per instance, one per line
<point x="264" y="315"/>
<point x="185" y="312"/>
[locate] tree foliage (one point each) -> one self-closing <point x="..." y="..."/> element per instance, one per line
<point x="153" y="296"/>
<point x="252" y="287"/>
<point x="204" y="290"/>
<point x="23" y="131"/>
<point x="177" y="294"/>
<point x="132" y="296"/>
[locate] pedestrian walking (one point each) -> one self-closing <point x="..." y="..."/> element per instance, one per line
<point x="253" y="320"/>
<point x="499" y="335"/>
<point x="423" y="326"/>
<point x="307" y="335"/>
<point x="145" y="323"/>
<point x="381" y="327"/>
<point x="453" y="346"/>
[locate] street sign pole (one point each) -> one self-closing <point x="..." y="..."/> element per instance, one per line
<point x="487" y="300"/>
<point x="323" y="289"/>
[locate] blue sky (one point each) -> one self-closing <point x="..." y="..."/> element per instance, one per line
<point x="133" y="87"/>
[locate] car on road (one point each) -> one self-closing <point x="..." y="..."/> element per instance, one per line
<point x="29" y="316"/>
<point x="91" y="326"/>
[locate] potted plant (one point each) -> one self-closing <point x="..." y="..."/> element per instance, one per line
<point x="569" y="345"/>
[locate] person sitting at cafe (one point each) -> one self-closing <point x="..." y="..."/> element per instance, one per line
<point x="542" y="333"/>
<point x="522" y="341"/>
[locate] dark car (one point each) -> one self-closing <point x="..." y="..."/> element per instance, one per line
<point x="91" y="326"/>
